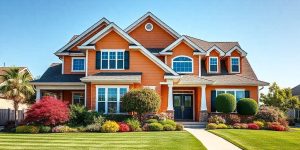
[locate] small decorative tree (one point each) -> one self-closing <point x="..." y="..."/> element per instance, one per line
<point x="141" y="101"/>
<point x="225" y="103"/>
<point x="48" y="111"/>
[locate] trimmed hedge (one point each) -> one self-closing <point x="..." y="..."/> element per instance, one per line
<point x="225" y="103"/>
<point x="27" y="129"/>
<point x="247" y="106"/>
<point x="155" y="127"/>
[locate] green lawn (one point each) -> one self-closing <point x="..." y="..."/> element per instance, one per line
<point x="131" y="140"/>
<point x="261" y="139"/>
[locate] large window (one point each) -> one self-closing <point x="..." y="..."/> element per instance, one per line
<point x="78" y="98"/>
<point x="109" y="98"/>
<point x="235" y="64"/>
<point x="238" y="94"/>
<point x="213" y="64"/>
<point x="112" y="59"/>
<point x="78" y="64"/>
<point x="183" y="64"/>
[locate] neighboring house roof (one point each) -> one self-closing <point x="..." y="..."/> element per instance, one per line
<point x="54" y="74"/>
<point x="296" y="90"/>
<point x="2" y="70"/>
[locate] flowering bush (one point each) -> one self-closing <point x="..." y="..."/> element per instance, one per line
<point x="253" y="126"/>
<point x="237" y="126"/>
<point x="110" y="127"/>
<point x="134" y="124"/>
<point x="216" y="119"/>
<point x="232" y="119"/>
<point x="269" y="114"/>
<point x="93" y="127"/>
<point x="211" y="126"/>
<point x="276" y="126"/>
<point x="260" y="124"/>
<point x="222" y="126"/>
<point x="27" y="129"/>
<point x="123" y="127"/>
<point x="48" y="111"/>
<point x="63" y="129"/>
<point x="45" y="129"/>
<point x="145" y="127"/>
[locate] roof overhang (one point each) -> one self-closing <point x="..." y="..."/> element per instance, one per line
<point x="241" y="51"/>
<point x="186" y="41"/>
<point x="125" y="79"/>
<point x="70" y="54"/>
<point x="56" y="83"/>
<point x="221" y="52"/>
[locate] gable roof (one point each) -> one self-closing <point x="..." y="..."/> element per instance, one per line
<point x="187" y="41"/>
<point x="157" y="20"/>
<point x="77" y="38"/>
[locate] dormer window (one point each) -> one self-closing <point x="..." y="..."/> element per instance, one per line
<point x="182" y="64"/>
<point x="213" y="64"/>
<point x="78" y="64"/>
<point x="235" y="64"/>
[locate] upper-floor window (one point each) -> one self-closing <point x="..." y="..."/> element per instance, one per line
<point x="78" y="64"/>
<point x="112" y="59"/>
<point x="235" y="64"/>
<point x="183" y="64"/>
<point x="213" y="64"/>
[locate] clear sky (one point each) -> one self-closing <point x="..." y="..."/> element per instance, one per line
<point x="269" y="30"/>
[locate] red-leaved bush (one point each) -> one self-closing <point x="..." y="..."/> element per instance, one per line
<point x="253" y="126"/>
<point x="48" y="111"/>
<point x="123" y="127"/>
<point x="276" y="126"/>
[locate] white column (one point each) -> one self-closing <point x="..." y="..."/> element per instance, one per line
<point x="38" y="93"/>
<point x="203" y="98"/>
<point x="170" y="97"/>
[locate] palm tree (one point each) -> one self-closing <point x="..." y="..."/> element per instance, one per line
<point x="16" y="86"/>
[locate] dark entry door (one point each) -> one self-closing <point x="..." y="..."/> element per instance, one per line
<point x="183" y="106"/>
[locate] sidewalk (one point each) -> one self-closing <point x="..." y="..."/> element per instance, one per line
<point x="211" y="141"/>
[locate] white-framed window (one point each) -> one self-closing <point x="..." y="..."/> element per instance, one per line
<point x="237" y="93"/>
<point x="149" y="27"/>
<point x="182" y="64"/>
<point x="78" y="64"/>
<point x="213" y="64"/>
<point x="108" y="98"/>
<point x="78" y="98"/>
<point x="112" y="59"/>
<point x="235" y="64"/>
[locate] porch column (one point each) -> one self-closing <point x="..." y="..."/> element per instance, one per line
<point x="38" y="93"/>
<point x="170" y="98"/>
<point x="203" y="112"/>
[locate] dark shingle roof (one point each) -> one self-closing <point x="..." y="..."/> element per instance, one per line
<point x="53" y="74"/>
<point x="296" y="90"/>
<point x="155" y="50"/>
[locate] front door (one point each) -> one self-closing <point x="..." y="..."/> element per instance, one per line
<point x="183" y="106"/>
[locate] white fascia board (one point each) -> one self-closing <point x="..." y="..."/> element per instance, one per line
<point x="241" y="51"/>
<point x="56" y="83"/>
<point x="183" y="39"/>
<point x="86" y="47"/>
<point x="160" y="23"/>
<point x="70" y="54"/>
<point x="222" y="53"/>
<point x="172" y="77"/>
<point x="83" y="34"/>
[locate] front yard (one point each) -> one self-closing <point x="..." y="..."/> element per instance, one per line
<point x="130" y="140"/>
<point x="261" y="139"/>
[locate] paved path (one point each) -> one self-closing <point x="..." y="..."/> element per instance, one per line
<point x="211" y="141"/>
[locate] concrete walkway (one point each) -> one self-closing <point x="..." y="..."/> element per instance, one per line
<point x="211" y="141"/>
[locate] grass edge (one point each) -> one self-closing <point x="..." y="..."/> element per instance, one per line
<point x="228" y="139"/>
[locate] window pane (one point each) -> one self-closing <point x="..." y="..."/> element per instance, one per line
<point x="112" y="94"/>
<point x="213" y="68"/>
<point x="78" y="64"/>
<point x="104" y="64"/>
<point x="235" y="68"/>
<point x="176" y="101"/>
<point x="220" y="92"/>
<point x="78" y="98"/>
<point x="112" y="64"/>
<point x="240" y="95"/>
<point x="123" y="91"/>
<point x="120" y="64"/>
<point x="105" y="55"/>
<point x="235" y="61"/>
<point x="182" y="59"/>
<point x="101" y="107"/>
<point x="182" y="65"/>
<point x="112" y="55"/>
<point x="187" y="101"/>
<point x="101" y="94"/>
<point x="213" y="61"/>
<point x="231" y="92"/>
<point x="112" y="107"/>
<point x="120" y="55"/>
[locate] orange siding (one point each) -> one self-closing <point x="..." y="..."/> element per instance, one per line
<point x="213" y="53"/>
<point x="157" y="38"/>
<point x="228" y="60"/>
<point x="68" y="66"/>
<point x="184" y="49"/>
<point x="164" y="98"/>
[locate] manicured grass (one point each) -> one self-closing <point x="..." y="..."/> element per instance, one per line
<point x="261" y="139"/>
<point x="131" y="140"/>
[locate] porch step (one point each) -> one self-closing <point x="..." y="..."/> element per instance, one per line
<point x="193" y="124"/>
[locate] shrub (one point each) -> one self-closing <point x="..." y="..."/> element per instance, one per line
<point x="179" y="127"/>
<point x="222" y="126"/>
<point x="93" y="127"/>
<point x="232" y="119"/>
<point x="81" y="129"/>
<point x="123" y="127"/>
<point x="27" y="129"/>
<point x="276" y="126"/>
<point x="155" y="127"/>
<point x="48" y="111"/>
<point x="151" y="121"/>
<point x="247" y="119"/>
<point x="269" y="114"/>
<point x="145" y="127"/>
<point x="212" y="126"/>
<point x="283" y="122"/>
<point x="63" y="129"/>
<point x="134" y="124"/>
<point x="168" y="127"/>
<point x="260" y="124"/>
<point x="141" y="101"/>
<point x="253" y="126"/>
<point x="45" y="129"/>
<point x="117" y="117"/>
<point x="225" y="103"/>
<point x="244" y="126"/>
<point x="110" y="127"/>
<point x="168" y="121"/>
<point x="216" y="119"/>
<point x="237" y="126"/>
<point x="80" y="116"/>
<point x="247" y="106"/>
<point x="9" y="126"/>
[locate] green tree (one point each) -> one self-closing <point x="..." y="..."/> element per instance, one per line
<point x="280" y="97"/>
<point x="16" y="87"/>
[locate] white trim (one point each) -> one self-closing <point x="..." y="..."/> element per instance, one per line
<point x="86" y="47"/>
<point x="231" y="64"/>
<point x="200" y="65"/>
<point x="70" y="54"/>
<point x="160" y="23"/>
<point x="83" y="34"/>
<point x="77" y="92"/>
<point x="83" y="64"/>
<point x="242" y="52"/>
<point x="222" y="53"/>
<point x="60" y="87"/>
<point x="203" y="98"/>
<point x="106" y="95"/>
<point x="56" y="83"/>
<point x="186" y="57"/>
<point x="226" y="90"/>
<point x="85" y="100"/>
<point x="209" y="64"/>
<point x="62" y="65"/>
<point x="178" y="41"/>
<point x="86" y="62"/>
<point x="108" y="58"/>
<point x="149" y="30"/>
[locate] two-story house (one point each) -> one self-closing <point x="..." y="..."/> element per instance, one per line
<point x="105" y="61"/>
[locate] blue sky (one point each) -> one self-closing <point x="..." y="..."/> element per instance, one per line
<point x="269" y="30"/>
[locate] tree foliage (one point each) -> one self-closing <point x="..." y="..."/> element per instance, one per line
<point x="280" y="97"/>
